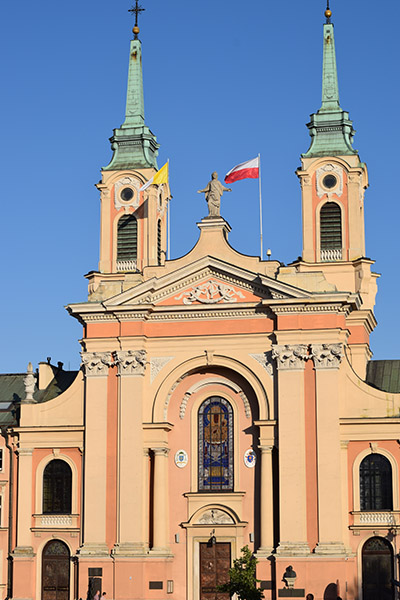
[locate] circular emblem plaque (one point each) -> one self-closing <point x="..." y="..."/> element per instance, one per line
<point x="181" y="459"/>
<point x="250" y="458"/>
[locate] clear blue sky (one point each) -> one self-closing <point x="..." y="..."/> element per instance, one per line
<point x="223" y="82"/>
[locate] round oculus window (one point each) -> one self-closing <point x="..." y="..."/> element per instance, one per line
<point x="329" y="181"/>
<point x="127" y="194"/>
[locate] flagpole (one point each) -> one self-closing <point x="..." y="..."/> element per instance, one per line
<point x="168" y="219"/>
<point x="259" y="189"/>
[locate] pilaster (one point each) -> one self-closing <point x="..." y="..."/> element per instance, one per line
<point x="130" y="477"/>
<point x="327" y="359"/>
<point x="96" y="365"/>
<point x="290" y="360"/>
<point x="24" y="547"/>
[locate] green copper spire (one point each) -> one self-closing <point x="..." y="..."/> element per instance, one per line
<point x="133" y="143"/>
<point x="331" y="130"/>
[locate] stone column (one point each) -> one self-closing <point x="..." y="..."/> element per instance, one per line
<point x="266" y="503"/>
<point x="327" y="358"/>
<point x="96" y="366"/>
<point x="131" y="368"/>
<point x="24" y="515"/>
<point x="146" y="498"/>
<point x="292" y="457"/>
<point x="160" y="502"/>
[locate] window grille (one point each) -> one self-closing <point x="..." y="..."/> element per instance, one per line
<point x="376" y="491"/>
<point x="215" y="438"/>
<point x="57" y="488"/>
<point x="331" y="232"/>
<point x="127" y="238"/>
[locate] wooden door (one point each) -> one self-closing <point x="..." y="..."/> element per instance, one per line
<point x="215" y="562"/>
<point x="55" y="571"/>
<point x="377" y="570"/>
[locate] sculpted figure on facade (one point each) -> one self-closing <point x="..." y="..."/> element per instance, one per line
<point x="213" y="191"/>
<point x="327" y="356"/>
<point x="130" y="362"/>
<point x="290" y="356"/>
<point x="96" y="364"/>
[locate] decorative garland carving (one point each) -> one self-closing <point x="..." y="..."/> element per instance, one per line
<point x="265" y="361"/>
<point x="96" y="364"/>
<point x="211" y="292"/>
<point x="130" y="362"/>
<point x="321" y="172"/>
<point x="156" y="365"/>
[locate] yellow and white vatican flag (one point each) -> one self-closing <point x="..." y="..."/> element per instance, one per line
<point x="160" y="177"/>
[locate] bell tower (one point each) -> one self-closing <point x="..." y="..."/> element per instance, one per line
<point x="333" y="182"/>
<point x="133" y="230"/>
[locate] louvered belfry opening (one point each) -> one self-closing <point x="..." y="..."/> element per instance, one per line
<point x="331" y="232"/>
<point x="127" y="243"/>
<point x="159" y="239"/>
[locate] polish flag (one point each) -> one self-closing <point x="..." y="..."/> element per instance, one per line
<point x="247" y="170"/>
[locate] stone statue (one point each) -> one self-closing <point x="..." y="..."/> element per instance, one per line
<point x="213" y="192"/>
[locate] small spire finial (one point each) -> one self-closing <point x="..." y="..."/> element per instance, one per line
<point x="136" y="9"/>
<point x="328" y="12"/>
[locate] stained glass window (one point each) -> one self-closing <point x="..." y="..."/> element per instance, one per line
<point x="215" y="445"/>
<point x="57" y="487"/>
<point x="376" y="483"/>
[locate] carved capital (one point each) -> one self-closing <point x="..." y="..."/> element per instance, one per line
<point x="96" y="364"/>
<point x="327" y="356"/>
<point x="266" y="449"/>
<point x="161" y="452"/>
<point x="25" y="451"/>
<point x="290" y="357"/>
<point x="130" y="362"/>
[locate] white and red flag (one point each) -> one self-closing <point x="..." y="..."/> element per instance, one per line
<point x="247" y="170"/>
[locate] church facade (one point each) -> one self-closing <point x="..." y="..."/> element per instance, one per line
<point x="223" y="401"/>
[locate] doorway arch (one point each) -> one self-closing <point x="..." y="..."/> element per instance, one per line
<point x="56" y="571"/>
<point x="377" y="569"/>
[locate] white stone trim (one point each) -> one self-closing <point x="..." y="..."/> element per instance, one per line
<point x="356" y="476"/>
<point x="39" y="483"/>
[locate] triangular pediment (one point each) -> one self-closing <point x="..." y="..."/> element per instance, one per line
<point x="208" y="281"/>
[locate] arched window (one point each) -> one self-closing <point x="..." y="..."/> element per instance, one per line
<point x="376" y="491"/>
<point x="215" y="445"/>
<point x="127" y="238"/>
<point x="159" y="242"/>
<point x="57" y="487"/>
<point x="331" y="232"/>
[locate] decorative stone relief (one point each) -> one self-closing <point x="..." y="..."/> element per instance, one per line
<point x="156" y="364"/>
<point x="211" y="292"/>
<point x="265" y="361"/>
<point x="327" y="356"/>
<point x="119" y="186"/>
<point x="182" y="408"/>
<point x="325" y="170"/>
<point x="96" y="364"/>
<point x="130" y="362"/>
<point x="29" y="383"/>
<point x="246" y="404"/>
<point x="216" y="516"/>
<point x="290" y="357"/>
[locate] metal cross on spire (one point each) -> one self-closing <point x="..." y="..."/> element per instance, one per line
<point x="328" y="12"/>
<point x="136" y="9"/>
